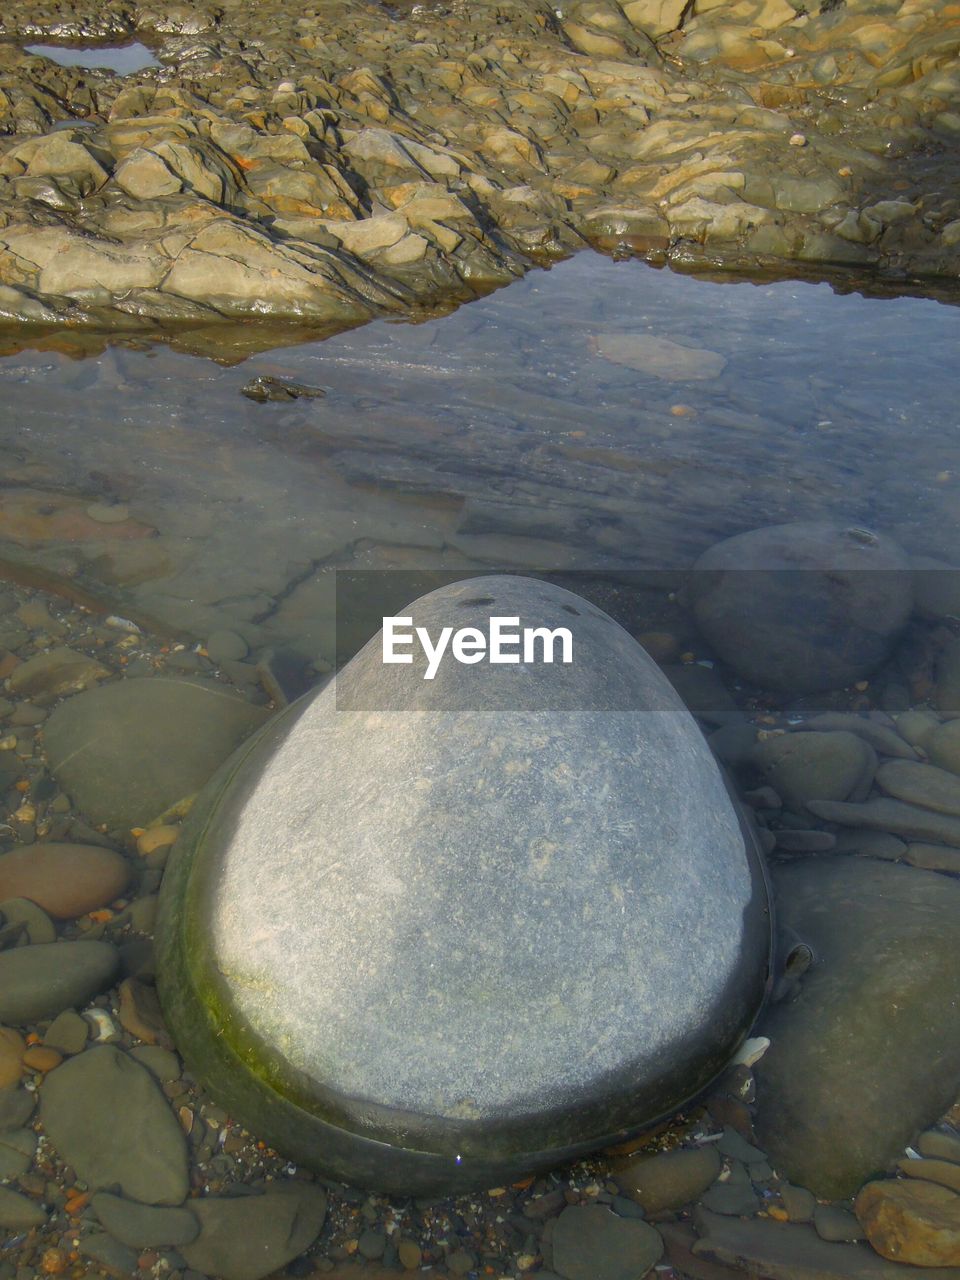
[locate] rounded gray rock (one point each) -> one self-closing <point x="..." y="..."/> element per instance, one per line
<point x="802" y="607"/>
<point x="426" y="934"/>
<point x="43" y="979"/>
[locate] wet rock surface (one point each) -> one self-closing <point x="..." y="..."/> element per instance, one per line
<point x="333" y="166"/>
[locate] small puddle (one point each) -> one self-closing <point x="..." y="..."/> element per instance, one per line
<point x="123" y="59"/>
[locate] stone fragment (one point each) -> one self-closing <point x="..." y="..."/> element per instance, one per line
<point x="802" y="607"/>
<point x="134" y="750"/>
<point x="106" y="1116"/>
<point x="66" y="880"/>
<point x="911" y="1221"/>
<point x="40" y="981"/>
<point x="535" y="756"/>
<point x="67" y="1033"/>
<point x="940" y="1144"/>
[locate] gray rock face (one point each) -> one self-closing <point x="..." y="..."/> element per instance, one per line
<point x="591" y="1243"/>
<point x="802" y="607"/>
<point x="869" y="1051"/>
<point x="132" y="750"/>
<point x="512" y="911"/>
<point x="106" y="1116"/>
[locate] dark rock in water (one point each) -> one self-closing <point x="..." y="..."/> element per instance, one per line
<point x="264" y="388"/>
<point x="144" y="1226"/>
<point x="106" y="1117"/>
<point x="670" y="1179"/>
<point x="815" y="766"/>
<point x="892" y="816"/>
<point x="591" y="1243"/>
<point x="429" y="934"/>
<point x="42" y="980"/>
<point x="802" y="607"/>
<point x="869" y="1052"/>
<point x="133" y="750"/>
<point x="247" y="1237"/>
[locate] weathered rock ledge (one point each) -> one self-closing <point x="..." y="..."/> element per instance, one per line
<point x="346" y="160"/>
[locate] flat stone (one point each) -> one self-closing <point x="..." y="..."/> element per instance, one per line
<point x="881" y="737"/>
<point x="793" y="1251"/>
<point x="922" y="784"/>
<point x="815" y="766"/>
<point x="736" y="1199"/>
<point x="940" y="1144"/>
<point x="799" y="1203"/>
<point x="226" y="646"/>
<point x="248" y="1237"/>
<point x="834" y="1223"/>
<point x="498" y="783"/>
<point x="868" y="1053"/>
<point x="871" y="844"/>
<point x="12" y="1046"/>
<point x="40" y="981"/>
<point x="907" y="820"/>
<point x="116" y="1259"/>
<point x="19" y="1213"/>
<point x="66" y="880"/>
<point x="144" y="1226"/>
<point x="943" y="1172"/>
<point x="136" y="749"/>
<point x="668" y="1180"/>
<point x="591" y="1243"/>
<point x="802" y="607"/>
<point x="67" y="1033"/>
<point x="16" y="1108"/>
<point x="106" y="1116"/>
<point x="59" y="670"/>
<point x="661" y="357"/>
<point x="933" y="857"/>
<point x="17" y="1150"/>
<point x="912" y="1221"/>
<point x="943" y="746"/>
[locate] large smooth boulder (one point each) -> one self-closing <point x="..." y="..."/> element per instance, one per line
<point x="134" y="750"/>
<point x="868" y="1053"/>
<point x="804" y="607"/>
<point x="426" y="934"/>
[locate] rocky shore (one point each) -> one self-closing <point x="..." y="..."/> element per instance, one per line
<point x="339" y="162"/>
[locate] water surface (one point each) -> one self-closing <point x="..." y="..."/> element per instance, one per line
<point x="599" y="416"/>
<point x="124" y="59"/>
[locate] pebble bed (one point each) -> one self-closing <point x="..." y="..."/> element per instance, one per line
<point x="695" y="1197"/>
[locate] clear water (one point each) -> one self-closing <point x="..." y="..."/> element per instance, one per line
<point x="123" y="59"/>
<point x="500" y="436"/>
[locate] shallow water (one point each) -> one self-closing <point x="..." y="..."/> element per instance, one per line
<point x="508" y="434"/>
<point x="124" y="59"/>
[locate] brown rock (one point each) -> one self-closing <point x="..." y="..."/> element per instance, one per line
<point x="944" y="1172"/>
<point x="39" y="1058"/>
<point x="66" y="880"/>
<point x="915" y="1222"/>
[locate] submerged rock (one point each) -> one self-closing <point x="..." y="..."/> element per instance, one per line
<point x="869" y="1051"/>
<point x="133" y="750"/>
<point x="426" y="934"/>
<point x="106" y="1116"/>
<point x="802" y="607"/>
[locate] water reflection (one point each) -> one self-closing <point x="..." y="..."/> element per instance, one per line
<point x="123" y="59"/>
<point x="601" y="416"/>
